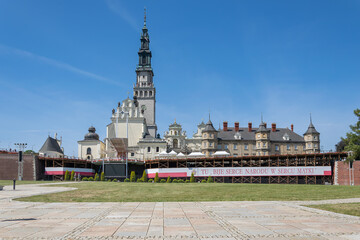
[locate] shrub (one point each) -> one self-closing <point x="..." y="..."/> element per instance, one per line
<point x="187" y="181"/>
<point x="102" y="176"/>
<point x="210" y="180"/>
<point x="90" y="179"/>
<point x="181" y="181"/>
<point x="144" y="177"/>
<point x="168" y="180"/>
<point x="96" y="178"/>
<point x="156" y="177"/>
<point x="203" y="181"/>
<point x="139" y="180"/>
<point x="109" y="180"/>
<point x="72" y="175"/>
<point x="66" y="176"/>
<point x="84" y="179"/>
<point x="151" y="180"/>
<point x="192" y="178"/>
<point x="132" y="176"/>
<point x="175" y="181"/>
<point x="163" y="181"/>
<point x="127" y="180"/>
<point x="114" y="180"/>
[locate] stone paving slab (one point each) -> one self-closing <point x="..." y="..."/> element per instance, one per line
<point x="169" y="220"/>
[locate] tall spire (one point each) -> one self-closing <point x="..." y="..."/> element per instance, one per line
<point x="310" y="119"/>
<point x="144" y="16"/>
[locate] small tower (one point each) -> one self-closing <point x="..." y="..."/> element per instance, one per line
<point x="312" y="139"/>
<point x="91" y="147"/>
<point x="144" y="89"/>
<point x="175" y="137"/>
<point x="262" y="138"/>
<point x="209" y="139"/>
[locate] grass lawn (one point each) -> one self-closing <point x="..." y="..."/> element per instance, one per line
<point x="167" y="192"/>
<point x="345" y="208"/>
<point x="10" y="182"/>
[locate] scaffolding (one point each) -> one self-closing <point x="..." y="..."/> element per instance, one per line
<point x="296" y="160"/>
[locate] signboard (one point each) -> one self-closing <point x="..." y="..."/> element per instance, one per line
<point x="62" y="170"/>
<point x="240" y="171"/>
<point x="115" y="170"/>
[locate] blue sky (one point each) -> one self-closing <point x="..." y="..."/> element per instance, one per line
<point x="64" y="65"/>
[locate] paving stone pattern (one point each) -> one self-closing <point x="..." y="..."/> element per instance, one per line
<point x="170" y="220"/>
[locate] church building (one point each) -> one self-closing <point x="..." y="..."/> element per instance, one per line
<point x="133" y="129"/>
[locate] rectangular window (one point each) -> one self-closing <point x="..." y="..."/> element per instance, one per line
<point x="149" y="149"/>
<point x="132" y="154"/>
<point x="235" y="155"/>
<point x="276" y="147"/>
<point x="246" y="147"/>
<point x="157" y="149"/>
<point x="211" y="144"/>
<point x="246" y="154"/>
<point x="219" y="146"/>
<point x="288" y="147"/>
<point x="259" y="145"/>
<point x="264" y="144"/>
<point x="225" y="146"/>
<point x="296" y="148"/>
<point x="235" y="146"/>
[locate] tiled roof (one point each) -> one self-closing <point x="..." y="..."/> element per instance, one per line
<point x="277" y="136"/>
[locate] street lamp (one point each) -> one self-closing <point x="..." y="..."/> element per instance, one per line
<point x="127" y="136"/>
<point x="21" y="147"/>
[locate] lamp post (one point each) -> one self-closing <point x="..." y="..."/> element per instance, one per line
<point x="127" y="137"/>
<point x="21" y="147"/>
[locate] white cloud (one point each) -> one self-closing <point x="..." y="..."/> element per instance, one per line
<point x="57" y="64"/>
<point x="119" y="9"/>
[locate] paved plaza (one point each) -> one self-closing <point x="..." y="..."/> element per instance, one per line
<point x="168" y="220"/>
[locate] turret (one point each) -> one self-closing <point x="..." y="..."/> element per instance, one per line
<point x="209" y="139"/>
<point x="312" y="139"/>
<point x="262" y="138"/>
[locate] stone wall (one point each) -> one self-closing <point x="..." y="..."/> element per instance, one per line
<point x="341" y="173"/>
<point x="9" y="166"/>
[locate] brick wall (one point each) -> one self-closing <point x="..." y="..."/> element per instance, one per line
<point x="341" y="173"/>
<point x="9" y="166"/>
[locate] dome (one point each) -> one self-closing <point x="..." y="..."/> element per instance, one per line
<point x="92" y="135"/>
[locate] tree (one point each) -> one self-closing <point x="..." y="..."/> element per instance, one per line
<point x="66" y="176"/>
<point x="210" y="180"/>
<point x="132" y="176"/>
<point x="29" y="152"/>
<point x="157" y="178"/>
<point x="96" y="178"/>
<point x="192" y="178"/>
<point x="352" y="140"/>
<point x="102" y="176"/>
<point x="72" y="175"/>
<point x="168" y="180"/>
<point x="144" y="176"/>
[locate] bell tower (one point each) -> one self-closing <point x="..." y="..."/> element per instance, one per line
<point x="144" y="89"/>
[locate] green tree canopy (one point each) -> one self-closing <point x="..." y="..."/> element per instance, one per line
<point x="352" y="140"/>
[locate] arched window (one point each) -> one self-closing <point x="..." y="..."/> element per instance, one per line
<point x="88" y="151"/>
<point x="175" y="143"/>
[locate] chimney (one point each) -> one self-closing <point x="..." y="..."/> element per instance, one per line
<point x="225" y="126"/>
<point x="292" y="127"/>
<point x="250" y="126"/>
<point x="236" y="126"/>
<point x="265" y="125"/>
<point x="273" y="127"/>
